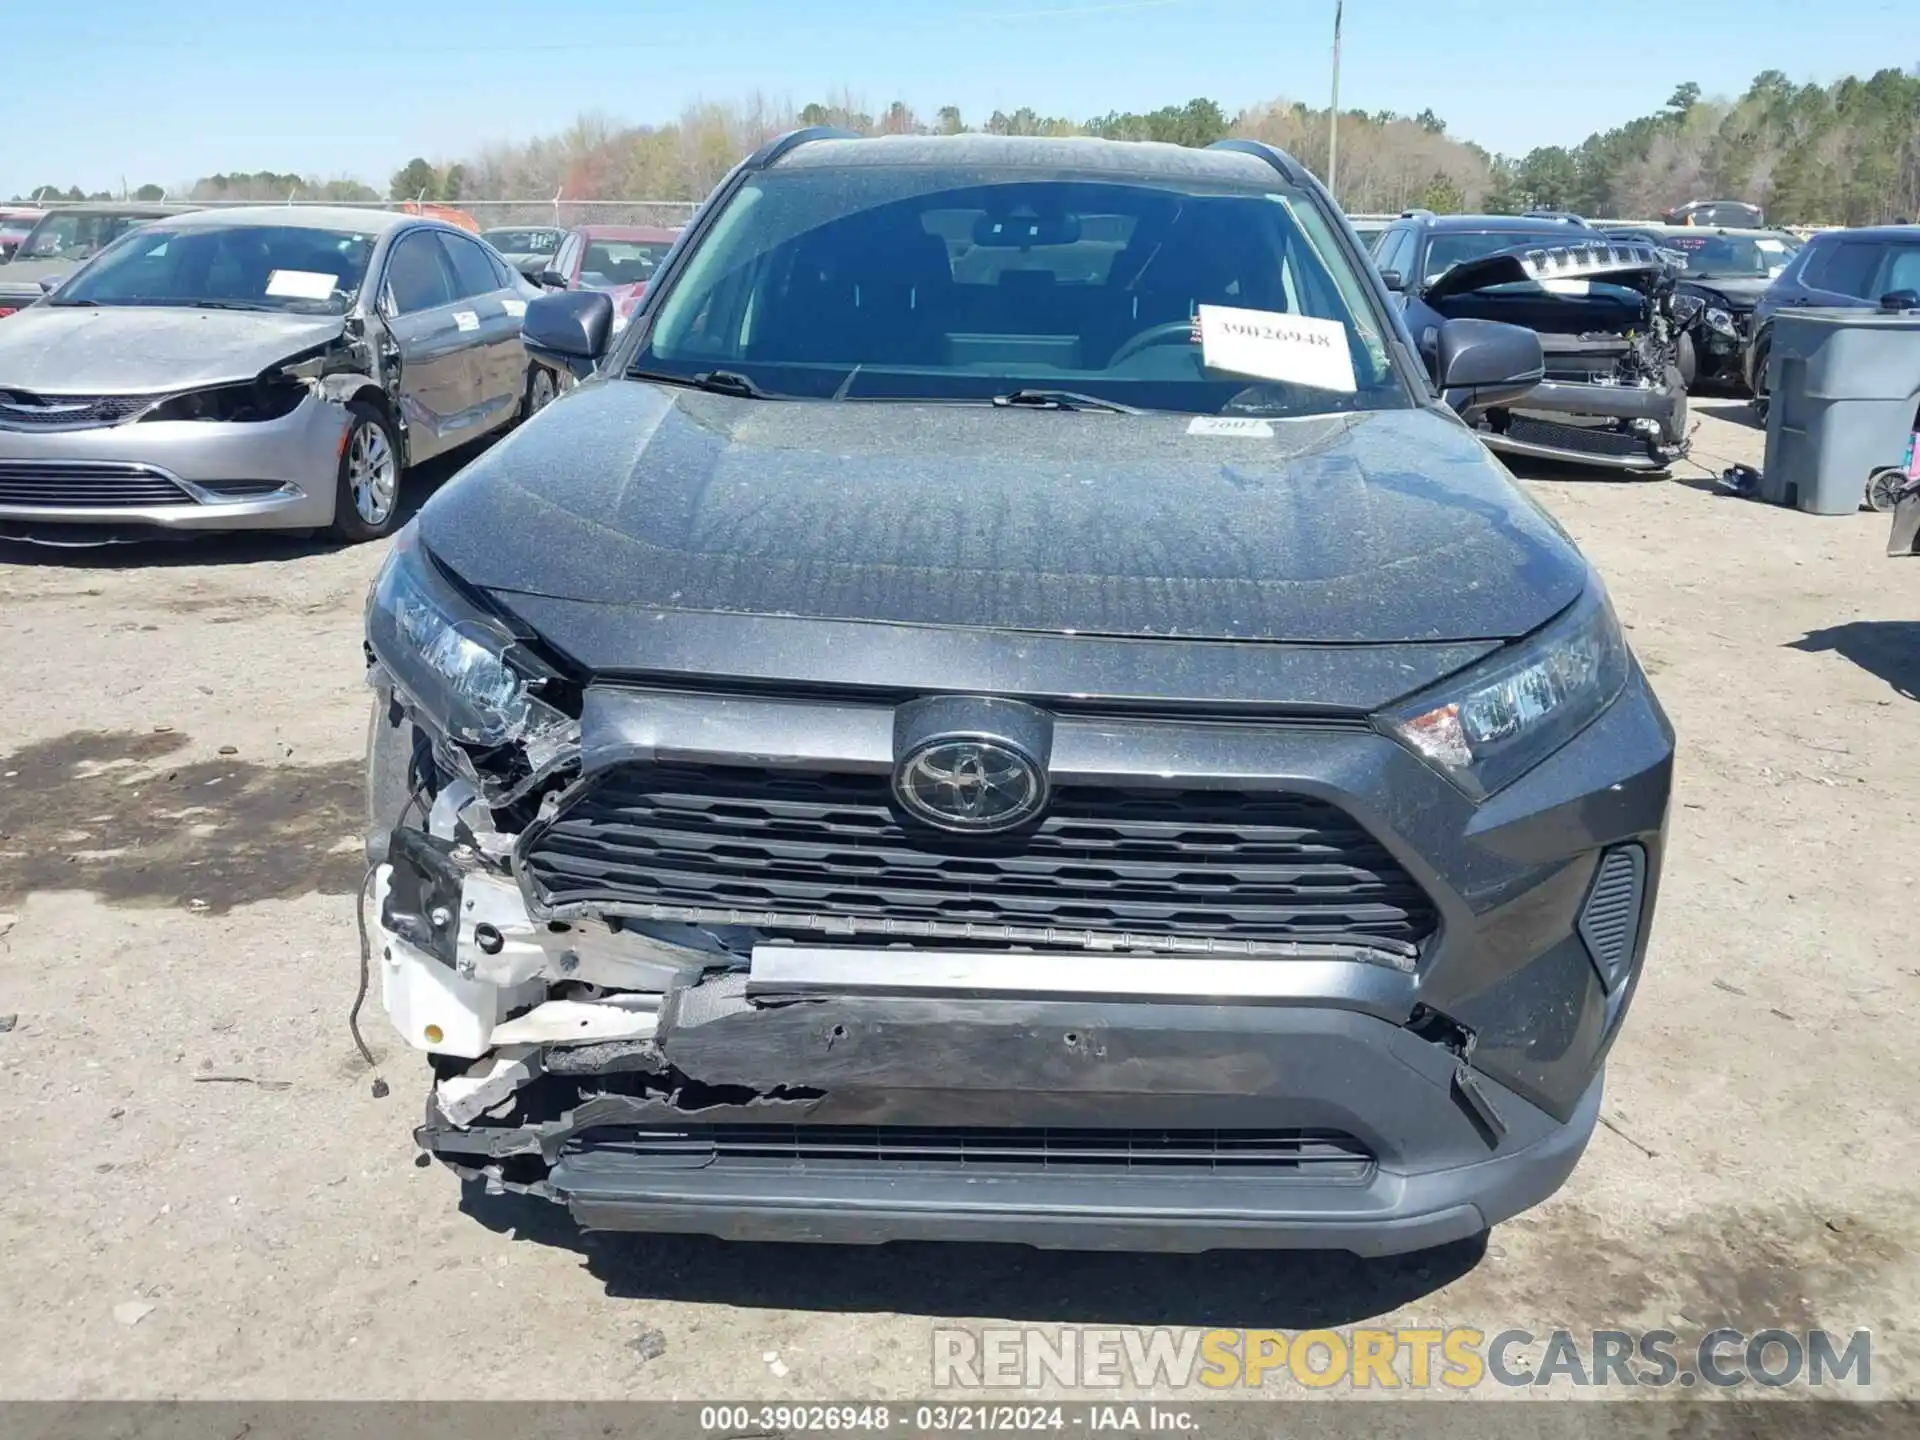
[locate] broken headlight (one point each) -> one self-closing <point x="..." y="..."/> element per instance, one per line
<point x="462" y="668"/>
<point x="233" y="404"/>
<point x="1721" y="321"/>
<point x="1488" y="726"/>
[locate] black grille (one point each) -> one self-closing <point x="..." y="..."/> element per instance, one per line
<point x="22" y="410"/>
<point x="1592" y="441"/>
<point x="1309" y="1154"/>
<point x="1200" y="863"/>
<point x="76" y="484"/>
<point x="1610" y="920"/>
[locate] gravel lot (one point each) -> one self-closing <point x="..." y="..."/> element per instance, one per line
<point x="193" y="1131"/>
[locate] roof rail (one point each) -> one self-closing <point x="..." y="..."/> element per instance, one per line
<point x="793" y="140"/>
<point x="1294" y="172"/>
<point x="1565" y="217"/>
<point x="1416" y="215"/>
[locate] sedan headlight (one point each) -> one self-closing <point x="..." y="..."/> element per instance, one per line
<point x="1721" y="320"/>
<point x="1488" y="726"/>
<point x="1685" y="307"/>
<point x="462" y="668"/>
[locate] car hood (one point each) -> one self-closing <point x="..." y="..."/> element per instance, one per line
<point x="1618" y="262"/>
<point x="1739" y="294"/>
<point x="59" y="349"/>
<point x="1389" y="526"/>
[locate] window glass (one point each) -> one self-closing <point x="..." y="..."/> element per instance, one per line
<point x="417" y="274"/>
<point x="934" y="283"/>
<point x="620" y="262"/>
<point x="1455" y="247"/>
<point x="1903" y="270"/>
<point x="1851" y="268"/>
<point x="473" y="271"/>
<point x="263" y="267"/>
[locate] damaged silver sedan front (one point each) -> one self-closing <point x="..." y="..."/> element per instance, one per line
<point x="257" y="368"/>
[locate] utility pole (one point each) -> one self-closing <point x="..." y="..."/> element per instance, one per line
<point x="1333" y="114"/>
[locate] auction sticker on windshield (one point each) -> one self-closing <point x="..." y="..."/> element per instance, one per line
<point x="1294" y="349"/>
<point x="301" y="285"/>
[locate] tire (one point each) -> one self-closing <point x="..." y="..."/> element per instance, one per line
<point x="542" y="390"/>
<point x="1687" y="361"/>
<point x="1762" y="357"/>
<point x="367" y="502"/>
<point x="1883" y="489"/>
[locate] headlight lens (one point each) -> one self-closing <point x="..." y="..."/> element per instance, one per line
<point x="1721" y="320"/>
<point x="1685" y="307"/>
<point x="1487" y="727"/>
<point x="234" y="404"/>
<point x="450" y="657"/>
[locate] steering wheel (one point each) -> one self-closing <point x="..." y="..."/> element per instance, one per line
<point x="1158" y="335"/>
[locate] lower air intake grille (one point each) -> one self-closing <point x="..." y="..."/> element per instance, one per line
<point x="1574" y="437"/>
<point x="1610" y="920"/>
<point x="1216" y="864"/>
<point x="85" y="485"/>
<point x="1319" y="1155"/>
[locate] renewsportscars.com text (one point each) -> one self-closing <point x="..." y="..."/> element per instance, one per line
<point x="1021" y="1357"/>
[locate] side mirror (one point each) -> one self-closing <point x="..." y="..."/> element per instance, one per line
<point x="1895" y="301"/>
<point x="1481" y="363"/>
<point x="574" y="327"/>
<point x="553" y="279"/>
<point x="1393" y="280"/>
<point x="50" y="283"/>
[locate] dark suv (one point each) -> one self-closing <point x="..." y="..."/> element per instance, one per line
<point x="1613" y="394"/>
<point x="1008" y="706"/>
<point x="1847" y="269"/>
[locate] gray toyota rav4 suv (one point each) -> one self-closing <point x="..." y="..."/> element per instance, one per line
<point x="1007" y="705"/>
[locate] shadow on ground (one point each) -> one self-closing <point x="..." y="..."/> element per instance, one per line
<point x="1284" y="1289"/>
<point x="1734" y="410"/>
<point x="238" y="548"/>
<point x="116" y="814"/>
<point x="1889" y="649"/>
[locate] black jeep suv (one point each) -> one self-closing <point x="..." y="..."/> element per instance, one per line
<point x="1613" y="395"/>
<point x="1007" y="705"/>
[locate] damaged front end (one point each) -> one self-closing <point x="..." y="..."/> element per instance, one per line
<point x="1610" y="323"/>
<point x="680" y="964"/>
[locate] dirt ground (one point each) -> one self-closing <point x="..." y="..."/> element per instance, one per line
<point x="193" y="1131"/>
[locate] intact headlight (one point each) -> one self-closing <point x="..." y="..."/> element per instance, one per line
<point x="1488" y="726"/>
<point x="462" y="668"/>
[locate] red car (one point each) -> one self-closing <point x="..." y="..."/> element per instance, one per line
<point x="619" y="259"/>
<point x="15" y="224"/>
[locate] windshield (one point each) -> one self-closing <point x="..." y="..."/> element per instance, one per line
<point x="523" y="242"/>
<point x="1457" y="247"/>
<point x="1732" y="257"/>
<point x="929" y="283"/>
<point x="250" y="267"/>
<point x="76" y="236"/>
<point x="610" y="263"/>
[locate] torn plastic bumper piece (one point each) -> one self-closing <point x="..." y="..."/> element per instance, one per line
<point x="977" y="1080"/>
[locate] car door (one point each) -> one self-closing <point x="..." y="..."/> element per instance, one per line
<point x="490" y="326"/>
<point x="437" y="384"/>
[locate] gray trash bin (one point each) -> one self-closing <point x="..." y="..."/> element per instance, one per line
<point x="1846" y="393"/>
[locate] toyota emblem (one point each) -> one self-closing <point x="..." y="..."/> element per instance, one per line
<point x="970" y="785"/>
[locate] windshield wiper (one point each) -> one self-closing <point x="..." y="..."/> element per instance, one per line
<point x="717" y="382"/>
<point x="1059" y="400"/>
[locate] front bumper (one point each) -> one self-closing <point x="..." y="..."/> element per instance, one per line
<point x="145" y="478"/>
<point x="1618" y="427"/>
<point x="895" y="1092"/>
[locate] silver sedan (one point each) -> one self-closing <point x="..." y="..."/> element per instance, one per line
<point x="262" y="368"/>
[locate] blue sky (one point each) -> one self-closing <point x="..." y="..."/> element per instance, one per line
<point x="166" y="92"/>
